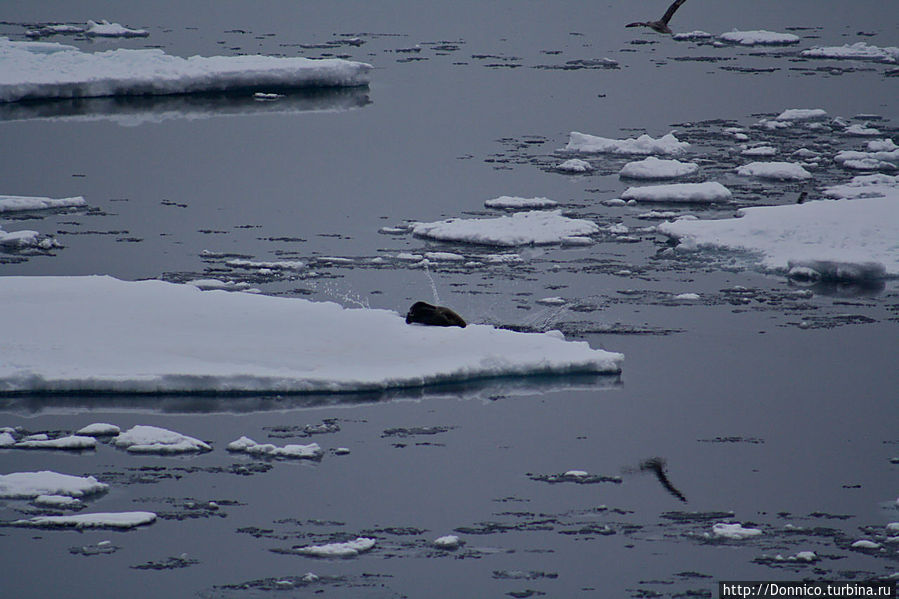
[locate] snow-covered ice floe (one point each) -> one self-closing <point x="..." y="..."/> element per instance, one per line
<point x="152" y="439"/>
<point x="251" y="447"/>
<point x="70" y="443"/>
<point x="856" y="51"/>
<point x="801" y="114"/>
<point x="26" y="239"/>
<point x="657" y="168"/>
<point x="537" y="227"/>
<point x="117" y="520"/>
<point x="846" y="239"/>
<point x="759" y="38"/>
<point x="27" y="485"/>
<point x="124" y="340"/>
<point x="347" y="549"/>
<point x="575" y="165"/>
<point x="780" y="171"/>
<point x="27" y="203"/>
<point x="881" y="154"/>
<point x="734" y="531"/>
<point x="104" y="28"/>
<point x="710" y="191"/>
<point x="641" y="146"/>
<point x="43" y="70"/>
<point x="517" y="203"/>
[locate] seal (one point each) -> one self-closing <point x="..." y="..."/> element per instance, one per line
<point x="436" y="316"/>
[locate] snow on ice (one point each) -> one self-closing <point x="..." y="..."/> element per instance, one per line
<point x="118" y="520"/>
<point x="447" y="542"/>
<point x="63" y="502"/>
<point x="759" y="38"/>
<point x="523" y="228"/>
<point x="99" y="429"/>
<point x="657" y="168"/>
<point x="106" y="29"/>
<point x="24" y="240"/>
<point x="734" y="531"/>
<point x="641" y="146"/>
<point x="26" y="203"/>
<point x="801" y="114"/>
<point x="348" y="549"/>
<point x="856" y="51"/>
<point x="152" y="439"/>
<point x="249" y="446"/>
<point x="123" y="341"/>
<point x="710" y="191"/>
<point x="780" y="171"/>
<point x="73" y="442"/>
<point x="27" y="485"/>
<point x="40" y="70"/>
<point x="575" y="165"/>
<point x="516" y="203"/>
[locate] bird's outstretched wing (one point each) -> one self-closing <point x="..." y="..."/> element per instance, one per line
<point x="657" y="465"/>
<point x="671" y="10"/>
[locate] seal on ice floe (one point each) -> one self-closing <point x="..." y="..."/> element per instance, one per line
<point x="437" y="316"/>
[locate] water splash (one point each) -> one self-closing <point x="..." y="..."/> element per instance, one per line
<point x="424" y="264"/>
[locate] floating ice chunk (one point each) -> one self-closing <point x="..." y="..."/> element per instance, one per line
<point x="734" y="531"/>
<point x="710" y="191"/>
<point x="691" y="36"/>
<point x="7" y="439"/>
<point x="618" y="229"/>
<point x="806" y="556"/>
<point x="26" y="203"/>
<point x="781" y="171"/>
<point x="106" y="29"/>
<point x="865" y="544"/>
<point x="38" y="70"/>
<point x="865" y="186"/>
<point x="74" y="442"/>
<point x="575" y="165"/>
<point x="576" y="240"/>
<point x="656" y="168"/>
<point x="54" y="29"/>
<point x="857" y="51"/>
<point x="522" y="228"/>
<point x="31" y="484"/>
<point x="805" y="153"/>
<point x="552" y="301"/>
<point x="247" y="445"/>
<point x="152" y="439"/>
<point x="760" y="151"/>
<point x="759" y="37"/>
<point x="99" y="429"/>
<point x="63" y="502"/>
<point x="657" y="214"/>
<point x="447" y="542"/>
<point x="406" y="256"/>
<point x="882" y="145"/>
<point x="348" y="549"/>
<point x="687" y="297"/>
<point x="577" y="473"/>
<point x="118" y="520"/>
<point x="517" y="203"/>
<point x="882" y="155"/>
<point x="851" y="237"/>
<point x="641" y="146"/>
<point x="861" y="130"/>
<point x="801" y="114"/>
<point x="25" y="239"/>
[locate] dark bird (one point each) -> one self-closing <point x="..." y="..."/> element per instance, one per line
<point x="662" y="24"/>
<point x="657" y="467"/>
<point x="801" y="197"/>
<point x="437" y="316"/>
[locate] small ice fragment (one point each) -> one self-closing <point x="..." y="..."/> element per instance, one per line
<point x="734" y="531"/>
<point x="447" y="542"/>
<point x="687" y="296"/>
<point x="575" y="165"/>
<point x="865" y="544"/>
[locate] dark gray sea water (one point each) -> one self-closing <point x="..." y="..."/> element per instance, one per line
<point x="774" y="405"/>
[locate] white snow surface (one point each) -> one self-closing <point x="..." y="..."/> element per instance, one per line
<point x="517" y="203"/>
<point x="640" y="146"/>
<point x="780" y="171"/>
<point x="801" y="114"/>
<point x="153" y="336"/>
<point x="247" y="445"/>
<point x="856" y="51"/>
<point x="575" y="165"/>
<point x="759" y="37"/>
<point x="537" y="227"/>
<point x="23" y="203"/>
<point x="99" y="429"/>
<point x="710" y="191"/>
<point x="153" y="439"/>
<point x="40" y="70"/>
<point x="447" y="542"/>
<point x="657" y="168"/>
<point x="348" y="549"/>
<point x="106" y="29"/>
<point x="73" y="442"/>
<point x="734" y="531"/>
<point x="25" y="240"/>
<point x="25" y="485"/>
<point x="58" y="501"/>
<point x="119" y="520"/>
<point x="837" y="239"/>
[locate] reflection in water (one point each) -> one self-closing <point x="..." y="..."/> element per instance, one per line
<point x="488" y="389"/>
<point x="137" y="110"/>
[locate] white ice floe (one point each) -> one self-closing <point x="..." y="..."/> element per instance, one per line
<point x="641" y="146"/>
<point x="710" y="191"/>
<point x="759" y="151"/>
<point x="27" y="203"/>
<point x="517" y="203"/>
<point x="835" y="239"/>
<point x="691" y="36"/>
<point x="63" y="502"/>
<point x="152" y="439"/>
<point x="865" y="544"/>
<point x="657" y="168"/>
<point x="55" y="29"/>
<point x="26" y="485"/>
<point x="780" y="171"/>
<point x="856" y="51"/>
<point x="866" y="186"/>
<point x="444" y="257"/>
<point x="249" y="446"/>
<point x="99" y="429"/>
<point x="801" y="556"/>
<point x="38" y="70"/>
<point x="348" y="549"/>
<point x="577" y="473"/>
<point x="123" y="338"/>
<point x="861" y="130"/>
<point x="801" y="114"/>
<point x="734" y="531"/>
<point x="552" y="301"/>
<point x="26" y="239"/>
<point x="882" y="154"/>
<point x="657" y="214"/>
<point x="759" y="38"/>
<point x="447" y="542"/>
<point x="73" y="442"/>
<point x="117" y="520"/>
<point x="7" y="439"/>
<point x="687" y="297"/>
<point x="106" y="29"/>
<point x="575" y="165"/>
<point x="523" y="228"/>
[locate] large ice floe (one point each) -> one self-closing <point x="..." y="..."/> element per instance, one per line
<point x="152" y="439"/>
<point x="27" y="485"/>
<point x="699" y="193"/>
<point x="844" y="240"/>
<point x="641" y="146"/>
<point x="657" y="168"/>
<point x="856" y="51"/>
<point x="117" y="520"/>
<point x="43" y="70"/>
<point x="759" y="38"/>
<point x="881" y="154"/>
<point x="157" y="337"/>
<point x="28" y="203"/>
<point x="780" y="171"/>
<point x="536" y="227"/>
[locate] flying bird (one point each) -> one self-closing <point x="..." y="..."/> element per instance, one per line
<point x="657" y="465"/>
<point x="662" y="24"/>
